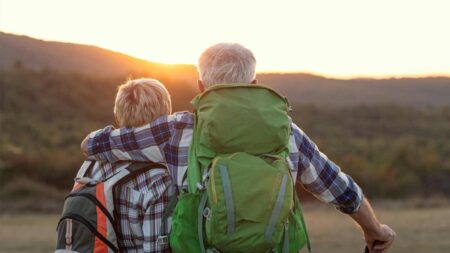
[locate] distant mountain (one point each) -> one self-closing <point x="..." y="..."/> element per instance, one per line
<point x="52" y="94"/>
<point x="320" y="91"/>
<point x="89" y="60"/>
<point x="299" y="88"/>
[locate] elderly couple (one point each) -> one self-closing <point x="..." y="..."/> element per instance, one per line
<point x="151" y="132"/>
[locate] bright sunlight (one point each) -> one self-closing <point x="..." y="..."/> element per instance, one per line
<point x="339" y="38"/>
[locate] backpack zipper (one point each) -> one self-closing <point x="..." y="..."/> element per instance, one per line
<point x="228" y="199"/>
<point x="276" y="211"/>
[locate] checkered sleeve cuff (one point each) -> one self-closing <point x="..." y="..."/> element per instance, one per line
<point x="351" y="199"/>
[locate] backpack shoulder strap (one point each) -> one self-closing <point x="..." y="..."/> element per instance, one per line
<point x="137" y="166"/>
<point x="129" y="170"/>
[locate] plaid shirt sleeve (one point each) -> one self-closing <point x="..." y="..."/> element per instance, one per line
<point x="323" y="178"/>
<point x="145" y="143"/>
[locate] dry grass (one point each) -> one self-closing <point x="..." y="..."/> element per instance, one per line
<point x="28" y="233"/>
<point x="419" y="230"/>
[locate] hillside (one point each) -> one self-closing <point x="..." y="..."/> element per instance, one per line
<point x="299" y="88"/>
<point x="393" y="131"/>
<point x="321" y="91"/>
<point x="88" y="60"/>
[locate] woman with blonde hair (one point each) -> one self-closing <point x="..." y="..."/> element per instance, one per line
<point x="143" y="200"/>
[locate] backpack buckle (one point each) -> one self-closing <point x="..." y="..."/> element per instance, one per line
<point x="69" y="233"/>
<point x="207" y="213"/>
<point x="205" y="177"/>
<point x="162" y="239"/>
<point x="200" y="186"/>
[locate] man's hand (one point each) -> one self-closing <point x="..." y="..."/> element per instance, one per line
<point x="379" y="241"/>
<point x="83" y="146"/>
<point x="379" y="237"/>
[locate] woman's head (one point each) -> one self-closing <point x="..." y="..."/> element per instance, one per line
<point x="141" y="101"/>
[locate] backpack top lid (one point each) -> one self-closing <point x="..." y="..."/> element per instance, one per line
<point x="232" y="118"/>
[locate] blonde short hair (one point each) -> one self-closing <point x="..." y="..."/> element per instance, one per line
<point x="141" y="101"/>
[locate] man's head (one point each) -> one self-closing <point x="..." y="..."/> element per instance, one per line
<point x="141" y="101"/>
<point x="226" y="63"/>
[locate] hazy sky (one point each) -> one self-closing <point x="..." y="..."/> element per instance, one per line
<point x="341" y="38"/>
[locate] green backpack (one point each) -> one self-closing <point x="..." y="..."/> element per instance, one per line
<point x="241" y="195"/>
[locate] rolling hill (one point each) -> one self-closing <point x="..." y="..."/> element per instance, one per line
<point x="299" y="88"/>
<point x="320" y="91"/>
<point x="52" y="94"/>
<point x="87" y="60"/>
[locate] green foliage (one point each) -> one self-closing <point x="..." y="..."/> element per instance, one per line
<point x="46" y="114"/>
<point x="391" y="151"/>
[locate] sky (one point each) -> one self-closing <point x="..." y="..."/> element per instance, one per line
<point x="345" y="38"/>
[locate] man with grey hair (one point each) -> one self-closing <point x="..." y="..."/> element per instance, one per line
<point x="226" y="63"/>
<point x="167" y="140"/>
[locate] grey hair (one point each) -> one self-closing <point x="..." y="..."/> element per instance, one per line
<point x="226" y="63"/>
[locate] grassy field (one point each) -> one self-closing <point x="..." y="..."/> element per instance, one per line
<point x="419" y="230"/>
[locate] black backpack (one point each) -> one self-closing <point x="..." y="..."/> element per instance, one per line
<point x="88" y="222"/>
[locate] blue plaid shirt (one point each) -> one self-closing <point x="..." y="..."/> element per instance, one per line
<point x="167" y="140"/>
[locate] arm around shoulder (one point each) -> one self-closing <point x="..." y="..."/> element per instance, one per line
<point x="144" y="143"/>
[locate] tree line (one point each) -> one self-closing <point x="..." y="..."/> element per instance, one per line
<point x="391" y="151"/>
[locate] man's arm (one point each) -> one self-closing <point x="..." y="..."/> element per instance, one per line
<point x="322" y="177"/>
<point x="145" y="143"/>
<point x="84" y="146"/>
<point x="124" y="144"/>
<point x="327" y="182"/>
